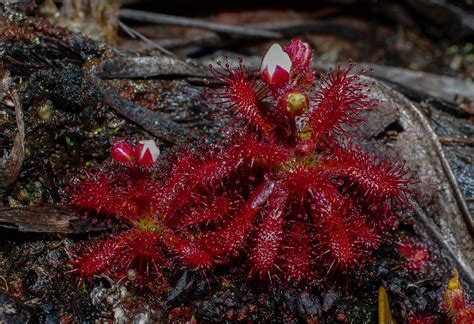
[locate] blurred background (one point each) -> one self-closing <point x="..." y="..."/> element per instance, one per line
<point x="424" y="35"/>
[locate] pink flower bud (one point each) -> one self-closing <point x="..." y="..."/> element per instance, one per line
<point x="276" y="67"/>
<point x="147" y="153"/>
<point x="300" y="54"/>
<point x="123" y="152"/>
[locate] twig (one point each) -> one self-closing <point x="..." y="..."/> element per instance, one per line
<point x="131" y="67"/>
<point x="206" y="40"/>
<point x="157" y="18"/>
<point x="6" y="284"/>
<point x="462" y="205"/>
<point x="294" y="28"/>
<point x="284" y="28"/>
<point x="456" y="141"/>
<point x="10" y="166"/>
<point x="416" y="284"/>
<point x="424" y="86"/>
<point x="438" y="86"/>
<point x="455" y="230"/>
<point x="153" y="122"/>
<point x="46" y="220"/>
<point x="421" y="96"/>
<point x="433" y="230"/>
<point x="134" y="34"/>
<point x="441" y="11"/>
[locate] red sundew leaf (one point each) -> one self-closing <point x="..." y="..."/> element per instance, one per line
<point x="417" y="255"/>
<point x="93" y="193"/>
<point x="301" y="179"/>
<point x="376" y="180"/>
<point x="365" y="235"/>
<point x="208" y="213"/>
<point x="233" y="237"/>
<point x="240" y="94"/>
<point x="339" y="246"/>
<point x="190" y="253"/>
<point x="270" y="234"/>
<point x="338" y="101"/>
<point x="296" y="254"/>
<point x="130" y="250"/>
<point x="96" y="258"/>
<point x="325" y="201"/>
<point x="422" y="319"/>
<point x="267" y="246"/>
<point x="287" y="187"/>
<point x="118" y="191"/>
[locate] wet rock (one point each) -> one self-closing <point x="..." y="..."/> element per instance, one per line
<point x="49" y="315"/>
<point x="201" y="288"/>
<point x="13" y="311"/>
<point x="180" y="315"/>
<point x="330" y="299"/>
<point x="207" y="310"/>
<point x="62" y="88"/>
<point x="141" y="318"/>
<point x="308" y="305"/>
<point x="289" y="309"/>
<point x="246" y="313"/>
<point x="38" y="281"/>
<point x="98" y="295"/>
<point x="289" y="300"/>
<point x="179" y="288"/>
<point x="56" y="257"/>
<point x="396" y="287"/>
<point x="119" y="316"/>
<point x="420" y="300"/>
<point x="118" y="294"/>
<point x="217" y="308"/>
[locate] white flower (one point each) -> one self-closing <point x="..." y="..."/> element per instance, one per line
<point x="276" y="67"/>
<point x="148" y="152"/>
<point x="276" y="57"/>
